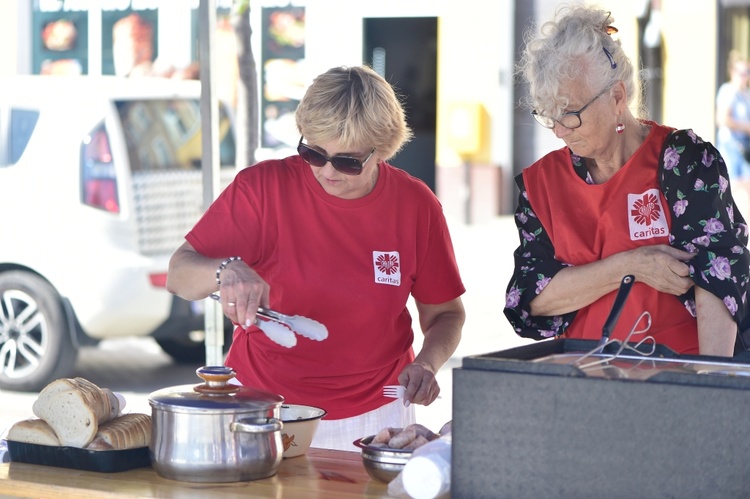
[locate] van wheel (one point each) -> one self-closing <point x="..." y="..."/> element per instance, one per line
<point x="35" y="343"/>
<point x="187" y="350"/>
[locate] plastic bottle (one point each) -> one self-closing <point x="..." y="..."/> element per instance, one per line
<point x="427" y="475"/>
<point x="396" y="487"/>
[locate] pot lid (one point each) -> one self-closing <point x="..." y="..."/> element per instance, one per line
<point x="214" y="394"/>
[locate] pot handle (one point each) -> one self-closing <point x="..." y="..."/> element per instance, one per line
<point x="256" y="425"/>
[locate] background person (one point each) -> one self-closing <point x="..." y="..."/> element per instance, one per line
<point x="338" y="235"/>
<point x="624" y="196"/>
<point x="733" y="118"/>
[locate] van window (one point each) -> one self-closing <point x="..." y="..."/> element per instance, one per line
<point x="22" y="124"/>
<point x="165" y="134"/>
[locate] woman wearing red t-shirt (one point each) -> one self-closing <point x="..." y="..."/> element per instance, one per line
<point x="338" y="235"/>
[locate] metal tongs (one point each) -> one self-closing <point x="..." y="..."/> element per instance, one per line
<point x="280" y="328"/>
<point x="622" y="295"/>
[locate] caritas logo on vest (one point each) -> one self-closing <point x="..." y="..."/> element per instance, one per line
<point x="646" y="217"/>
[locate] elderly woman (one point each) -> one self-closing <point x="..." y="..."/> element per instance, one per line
<point x="336" y="234"/>
<point x="624" y="196"/>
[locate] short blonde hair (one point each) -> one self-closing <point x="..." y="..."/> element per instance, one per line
<point x="574" y="47"/>
<point x="355" y="106"/>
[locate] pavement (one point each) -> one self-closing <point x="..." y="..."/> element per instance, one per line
<point x="135" y="367"/>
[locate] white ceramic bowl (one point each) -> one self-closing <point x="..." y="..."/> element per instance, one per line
<point x="300" y="424"/>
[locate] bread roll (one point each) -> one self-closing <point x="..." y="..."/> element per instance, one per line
<point x="33" y="431"/>
<point x="409" y="438"/>
<point x="385" y="435"/>
<point x="402" y="438"/>
<point x="128" y="431"/>
<point x="419" y="441"/>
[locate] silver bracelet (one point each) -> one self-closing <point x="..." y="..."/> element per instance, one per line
<point x="223" y="266"/>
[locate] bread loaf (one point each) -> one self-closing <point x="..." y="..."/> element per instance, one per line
<point x="128" y="431"/>
<point x="75" y="408"/>
<point x="99" y="400"/>
<point x="33" y="431"/>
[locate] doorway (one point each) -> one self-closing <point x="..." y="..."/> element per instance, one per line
<point x="404" y="51"/>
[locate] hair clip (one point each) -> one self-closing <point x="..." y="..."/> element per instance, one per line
<point x="610" y="30"/>
<point x="612" y="62"/>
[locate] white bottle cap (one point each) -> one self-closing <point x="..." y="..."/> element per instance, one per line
<point x="425" y="478"/>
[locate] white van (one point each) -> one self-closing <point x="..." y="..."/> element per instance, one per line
<point x="100" y="179"/>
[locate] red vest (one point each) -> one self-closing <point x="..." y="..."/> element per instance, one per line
<point x="589" y="222"/>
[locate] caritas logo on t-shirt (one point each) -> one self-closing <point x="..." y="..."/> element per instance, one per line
<point x="646" y="217"/>
<point x="387" y="265"/>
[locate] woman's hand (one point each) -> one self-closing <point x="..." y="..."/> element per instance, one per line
<point x="242" y="291"/>
<point x="420" y="382"/>
<point x="662" y="267"/>
<point x="192" y="276"/>
<point x="441" y="325"/>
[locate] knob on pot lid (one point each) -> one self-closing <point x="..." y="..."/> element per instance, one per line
<point x="215" y="393"/>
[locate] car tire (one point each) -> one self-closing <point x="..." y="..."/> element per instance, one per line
<point x="35" y="343"/>
<point x="187" y="351"/>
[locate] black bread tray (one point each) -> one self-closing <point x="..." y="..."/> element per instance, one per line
<point x="104" y="461"/>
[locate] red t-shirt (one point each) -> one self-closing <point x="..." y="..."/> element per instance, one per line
<point x="589" y="222"/>
<point x="349" y="264"/>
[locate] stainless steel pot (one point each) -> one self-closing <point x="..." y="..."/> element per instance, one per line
<point x="215" y="431"/>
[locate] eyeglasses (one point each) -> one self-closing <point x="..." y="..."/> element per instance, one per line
<point x="345" y="164"/>
<point x="570" y="120"/>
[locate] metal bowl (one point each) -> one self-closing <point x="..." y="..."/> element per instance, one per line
<point x="382" y="464"/>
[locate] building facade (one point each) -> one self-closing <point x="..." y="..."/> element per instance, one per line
<point x="453" y="61"/>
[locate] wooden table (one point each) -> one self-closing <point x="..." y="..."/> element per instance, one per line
<point x="319" y="473"/>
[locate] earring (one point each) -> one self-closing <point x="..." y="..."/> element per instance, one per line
<point x="620" y="128"/>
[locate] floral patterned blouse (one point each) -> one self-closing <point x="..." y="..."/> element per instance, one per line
<point x="694" y="181"/>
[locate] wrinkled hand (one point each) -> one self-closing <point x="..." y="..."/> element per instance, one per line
<point x="663" y="268"/>
<point x="421" y="385"/>
<point x="242" y="291"/>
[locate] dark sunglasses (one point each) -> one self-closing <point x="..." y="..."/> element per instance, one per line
<point x="345" y="164"/>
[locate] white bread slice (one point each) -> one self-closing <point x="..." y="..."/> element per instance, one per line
<point x="128" y="431"/>
<point x="69" y="415"/>
<point x="74" y="408"/>
<point x="33" y="431"/>
<point x="59" y="385"/>
<point x="104" y="411"/>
